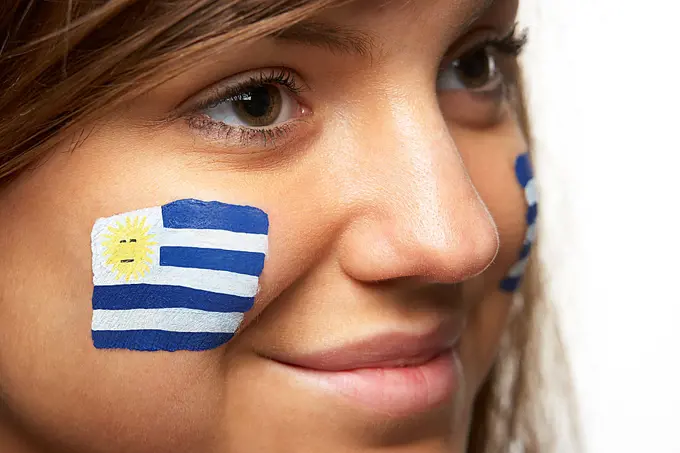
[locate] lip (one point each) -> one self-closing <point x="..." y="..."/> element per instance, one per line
<point x="381" y="351"/>
<point x="393" y="374"/>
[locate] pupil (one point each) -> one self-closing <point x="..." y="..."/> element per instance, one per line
<point x="259" y="106"/>
<point x="475" y="64"/>
<point x="257" y="102"/>
<point x="474" y="68"/>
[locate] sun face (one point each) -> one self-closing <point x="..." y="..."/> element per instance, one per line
<point x="127" y="248"/>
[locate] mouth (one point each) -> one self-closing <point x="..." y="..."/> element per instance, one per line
<point x="392" y="374"/>
<point x="131" y="260"/>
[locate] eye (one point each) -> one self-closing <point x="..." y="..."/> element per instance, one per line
<point x="255" y="109"/>
<point x="255" y="104"/>
<point x="477" y="70"/>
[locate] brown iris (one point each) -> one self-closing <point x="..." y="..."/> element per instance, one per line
<point x="476" y="68"/>
<point x="258" y="106"/>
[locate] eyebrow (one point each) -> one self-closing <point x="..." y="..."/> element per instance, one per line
<point x="329" y="36"/>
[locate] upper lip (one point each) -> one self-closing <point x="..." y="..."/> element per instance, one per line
<point x="386" y="350"/>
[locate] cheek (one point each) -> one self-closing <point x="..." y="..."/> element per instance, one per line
<point x="126" y="400"/>
<point x="490" y="161"/>
<point x="46" y="347"/>
<point x="112" y="404"/>
<point x="52" y="380"/>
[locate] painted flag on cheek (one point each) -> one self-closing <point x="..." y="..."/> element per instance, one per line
<point x="176" y="277"/>
<point x="525" y="178"/>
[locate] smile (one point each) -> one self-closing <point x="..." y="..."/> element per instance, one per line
<point x="393" y="374"/>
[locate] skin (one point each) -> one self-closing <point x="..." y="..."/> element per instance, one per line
<point x="391" y="207"/>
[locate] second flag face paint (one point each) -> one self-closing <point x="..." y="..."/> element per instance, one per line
<point x="176" y="277"/>
<point x="525" y="177"/>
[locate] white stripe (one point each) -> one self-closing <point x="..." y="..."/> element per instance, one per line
<point x="223" y="282"/>
<point x="204" y="279"/>
<point x="530" y="237"/>
<point x="214" y="239"/>
<point x="517" y="270"/>
<point x="168" y="319"/>
<point x="530" y="192"/>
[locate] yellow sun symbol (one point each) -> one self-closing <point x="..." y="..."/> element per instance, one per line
<point x="128" y="248"/>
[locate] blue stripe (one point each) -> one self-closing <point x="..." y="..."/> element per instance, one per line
<point x="249" y="263"/>
<point x="524" y="173"/>
<point x="532" y="213"/>
<point x="213" y="215"/>
<point x="158" y="340"/>
<point x="526" y="248"/>
<point x="125" y="297"/>
<point x="523" y="169"/>
<point x="511" y="284"/>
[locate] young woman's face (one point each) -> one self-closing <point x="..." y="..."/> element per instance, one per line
<point x="387" y="169"/>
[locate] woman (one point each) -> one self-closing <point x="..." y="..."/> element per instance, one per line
<point x="379" y="150"/>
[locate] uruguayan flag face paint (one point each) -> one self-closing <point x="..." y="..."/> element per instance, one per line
<point x="525" y="177"/>
<point x="175" y="277"/>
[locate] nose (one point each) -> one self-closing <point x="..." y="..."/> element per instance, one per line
<point x="416" y="212"/>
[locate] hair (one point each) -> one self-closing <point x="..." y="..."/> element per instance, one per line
<point x="64" y="63"/>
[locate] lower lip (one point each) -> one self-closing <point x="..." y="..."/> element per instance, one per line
<point x="396" y="392"/>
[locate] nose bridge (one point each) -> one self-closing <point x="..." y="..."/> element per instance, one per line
<point x="423" y="215"/>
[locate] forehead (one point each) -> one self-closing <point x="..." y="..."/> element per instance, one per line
<point x="381" y="27"/>
<point x="461" y="12"/>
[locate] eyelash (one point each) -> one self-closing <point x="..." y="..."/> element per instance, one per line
<point x="281" y="77"/>
<point x="221" y="131"/>
<point x="510" y="45"/>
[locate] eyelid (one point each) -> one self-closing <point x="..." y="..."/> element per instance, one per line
<point x="228" y="134"/>
<point x="230" y="86"/>
<point x="481" y="37"/>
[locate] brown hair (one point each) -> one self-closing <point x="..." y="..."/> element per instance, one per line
<point x="63" y="63"/>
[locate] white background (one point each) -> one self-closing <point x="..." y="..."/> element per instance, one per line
<point x="603" y="87"/>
